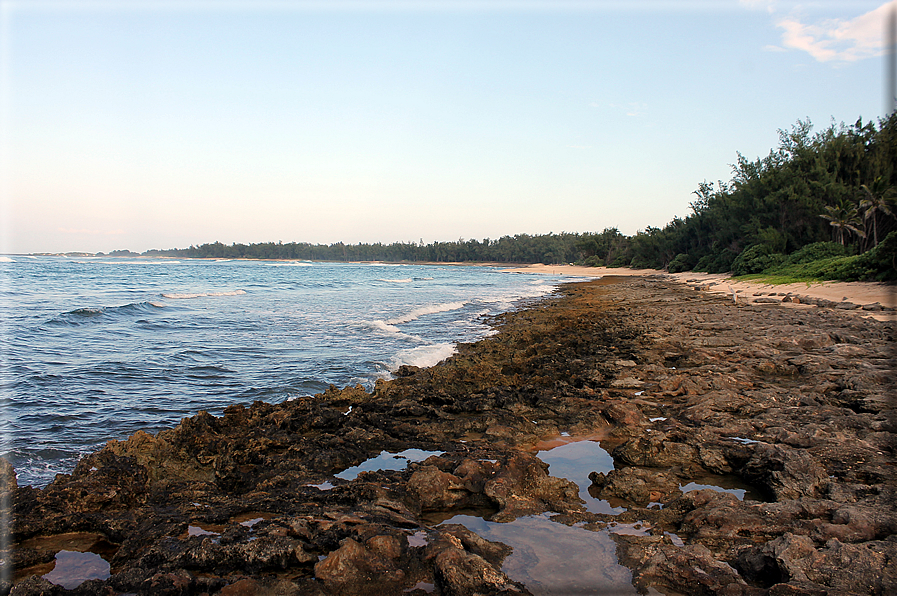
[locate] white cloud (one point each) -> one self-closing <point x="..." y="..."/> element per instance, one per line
<point x="837" y="39"/>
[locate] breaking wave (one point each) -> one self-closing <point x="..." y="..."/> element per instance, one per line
<point x="203" y="295"/>
<point x="426" y="310"/>
<point x="423" y="356"/>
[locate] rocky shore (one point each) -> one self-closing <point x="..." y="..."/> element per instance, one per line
<point x="690" y="393"/>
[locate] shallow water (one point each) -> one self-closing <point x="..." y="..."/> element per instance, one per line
<point x="574" y="458"/>
<point x="725" y="483"/>
<point x="73" y="569"/>
<point x="386" y="461"/>
<point x="552" y="559"/>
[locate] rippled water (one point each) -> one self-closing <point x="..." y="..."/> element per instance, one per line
<point x="97" y="348"/>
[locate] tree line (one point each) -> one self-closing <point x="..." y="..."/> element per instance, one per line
<point x="520" y="248"/>
<point x="836" y="185"/>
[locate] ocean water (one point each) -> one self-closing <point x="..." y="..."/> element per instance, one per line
<point x="97" y="348"/>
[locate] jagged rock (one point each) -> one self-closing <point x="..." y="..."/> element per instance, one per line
<point x="461" y="573"/>
<point x="787" y="472"/>
<point x="690" y="569"/>
<point x="796" y="559"/>
<point x="434" y="490"/>
<point x="637" y="486"/>
<point x="522" y="487"/>
<point x="655" y="450"/>
<point x="356" y="569"/>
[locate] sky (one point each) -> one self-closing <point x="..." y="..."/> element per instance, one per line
<point x="147" y="124"/>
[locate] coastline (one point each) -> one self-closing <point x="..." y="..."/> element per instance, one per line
<point x="682" y="388"/>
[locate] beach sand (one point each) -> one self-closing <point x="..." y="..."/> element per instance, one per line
<point x="860" y="293"/>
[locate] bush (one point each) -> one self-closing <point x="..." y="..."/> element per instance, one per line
<point x="815" y="252"/>
<point x="640" y="263"/>
<point x="593" y="261"/>
<point x="878" y="264"/>
<point x="754" y="259"/>
<point x="883" y="258"/>
<point x="682" y="262"/>
<point x="620" y="261"/>
<point x="719" y="262"/>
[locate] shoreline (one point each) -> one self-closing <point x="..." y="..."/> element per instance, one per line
<point x="678" y="386"/>
<point x="854" y="292"/>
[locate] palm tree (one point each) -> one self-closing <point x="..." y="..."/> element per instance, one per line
<point x="876" y="201"/>
<point x="845" y="219"/>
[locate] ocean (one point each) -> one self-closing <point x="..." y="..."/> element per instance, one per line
<point x="96" y="348"/>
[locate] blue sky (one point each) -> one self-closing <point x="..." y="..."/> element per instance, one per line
<point x="138" y="125"/>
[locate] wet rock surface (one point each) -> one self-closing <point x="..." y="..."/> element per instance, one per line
<point x="679" y="386"/>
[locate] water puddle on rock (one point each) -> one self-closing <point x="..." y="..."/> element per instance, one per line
<point x="387" y="461"/>
<point x="574" y="458"/>
<point x="211" y="530"/>
<point x="73" y="569"/>
<point x="79" y="556"/>
<point x="726" y="484"/>
<point x="552" y="559"/>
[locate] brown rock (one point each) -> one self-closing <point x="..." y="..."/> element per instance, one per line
<point x="352" y="567"/>
<point x="433" y="489"/>
<point x="461" y="573"/>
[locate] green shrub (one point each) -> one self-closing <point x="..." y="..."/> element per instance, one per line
<point x="620" y="261"/>
<point x="704" y="263"/>
<point x="815" y="252"/>
<point x="640" y="263"/>
<point x="593" y="261"/>
<point x="755" y="259"/>
<point x="718" y="262"/>
<point x="883" y="258"/>
<point x="682" y="262"/>
<point x="878" y="264"/>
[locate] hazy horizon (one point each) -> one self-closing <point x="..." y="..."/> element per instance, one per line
<point x="158" y="125"/>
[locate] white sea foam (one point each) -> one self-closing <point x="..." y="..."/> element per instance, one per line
<point x="293" y="264"/>
<point x="6" y="260"/>
<point x="203" y="295"/>
<point x="423" y="356"/>
<point x="405" y="280"/>
<point x="385" y="328"/>
<point x="430" y="309"/>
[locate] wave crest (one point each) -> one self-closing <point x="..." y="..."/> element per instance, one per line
<point x="81" y="316"/>
<point x="172" y="296"/>
<point x="423" y="356"/>
<point x="430" y="309"/>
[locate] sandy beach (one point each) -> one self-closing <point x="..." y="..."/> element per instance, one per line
<point x="859" y="293"/>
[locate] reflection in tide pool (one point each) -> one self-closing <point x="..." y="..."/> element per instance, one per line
<point x="387" y="461"/>
<point x="725" y="483"/>
<point x="551" y="559"/>
<point x="73" y="569"/>
<point x="575" y="460"/>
